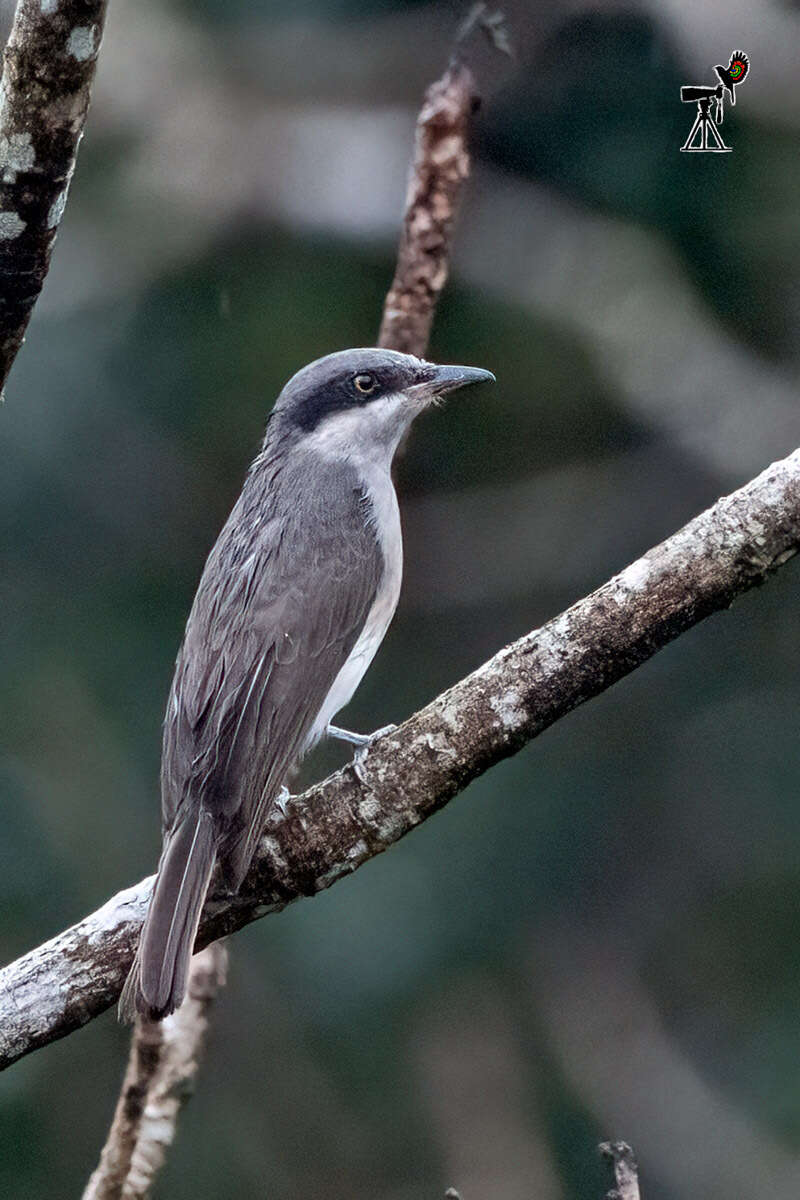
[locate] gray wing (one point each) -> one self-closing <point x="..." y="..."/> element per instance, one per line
<point x="276" y="615"/>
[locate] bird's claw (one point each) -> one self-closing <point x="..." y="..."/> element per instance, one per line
<point x="360" y="756"/>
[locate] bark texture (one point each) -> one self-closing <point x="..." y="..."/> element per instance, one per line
<point x="410" y="773"/>
<point x="440" y="166"/>
<point x="48" y="68"/>
<point x="626" y="1171"/>
<point x="163" y="1063"/>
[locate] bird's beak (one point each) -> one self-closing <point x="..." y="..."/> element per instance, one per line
<point x="438" y="381"/>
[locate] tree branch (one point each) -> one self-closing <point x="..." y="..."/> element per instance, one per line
<point x="626" y="1171"/>
<point x="163" y="1063"/>
<point x="440" y="167"/>
<point x="48" y="68"/>
<point x="409" y="774"/>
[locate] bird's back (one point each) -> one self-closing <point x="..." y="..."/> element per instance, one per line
<point x="283" y="597"/>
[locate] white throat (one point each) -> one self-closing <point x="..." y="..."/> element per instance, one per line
<point x="344" y="436"/>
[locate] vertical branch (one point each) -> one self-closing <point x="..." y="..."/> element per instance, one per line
<point x="440" y="166"/>
<point x="164" y="1059"/>
<point x="108" y="1179"/>
<point x="48" y="69"/>
<point x="439" y="169"/>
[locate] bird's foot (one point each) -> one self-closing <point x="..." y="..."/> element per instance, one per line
<point x="282" y="799"/>
<point x="362" y="749"/>
<point x="362" y="742"/>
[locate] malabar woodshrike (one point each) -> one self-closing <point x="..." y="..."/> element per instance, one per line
<point x="294" y="600"/>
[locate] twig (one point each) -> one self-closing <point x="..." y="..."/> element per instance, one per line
<point x="409" y="774"/>
<point x="626" y="1171"/>
<point x="48" y="68"/>
<point x="438" y="171"/>
<point x="492" y="22"/>
<point x="163" y="1062"/>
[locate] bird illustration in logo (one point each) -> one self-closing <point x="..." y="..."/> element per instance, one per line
<point x="734" y="73"/>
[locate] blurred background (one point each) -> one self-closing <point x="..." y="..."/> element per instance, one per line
<point x="598" y="939"/>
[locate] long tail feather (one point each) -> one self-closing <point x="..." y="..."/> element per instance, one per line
<point x="157" y="981"/>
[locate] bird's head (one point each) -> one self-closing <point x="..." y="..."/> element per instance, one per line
<point x="361" y="402"/>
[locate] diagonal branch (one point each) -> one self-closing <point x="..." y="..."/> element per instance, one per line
<point x="48" y="69"/>
<point x="342" y="822"/>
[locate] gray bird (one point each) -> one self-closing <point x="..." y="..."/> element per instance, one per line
<point x="293" y="603"/>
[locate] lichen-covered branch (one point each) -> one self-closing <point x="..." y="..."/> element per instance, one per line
<point x="410" y="773"/>
<point x="163" y="1062"/>
<point x="48" y="68"/>
<point x="625" y="1168"/>
<point x="108" y="1180"/>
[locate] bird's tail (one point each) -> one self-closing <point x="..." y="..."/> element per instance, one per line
<point x="157" y="981"/>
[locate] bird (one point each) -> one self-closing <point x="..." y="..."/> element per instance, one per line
<point x="293" y="602"/>
<point x="734" y="73"/>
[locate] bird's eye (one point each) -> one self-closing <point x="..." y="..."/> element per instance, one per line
<point x="365" y="384"/>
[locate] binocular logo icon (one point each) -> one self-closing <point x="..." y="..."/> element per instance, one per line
<point x="705" y="137"/>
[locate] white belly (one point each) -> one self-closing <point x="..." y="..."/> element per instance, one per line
<point x="387" y="527"/>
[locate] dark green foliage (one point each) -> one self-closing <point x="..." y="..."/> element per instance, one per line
<point x="663" y="815"/>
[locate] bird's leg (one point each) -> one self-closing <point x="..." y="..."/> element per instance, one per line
<point x="358" y="739"/>
<point x="362" y="742"/>
<point x="346" y="735"/>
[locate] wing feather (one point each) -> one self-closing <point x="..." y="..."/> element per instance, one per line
<point x="280" y="605"/>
